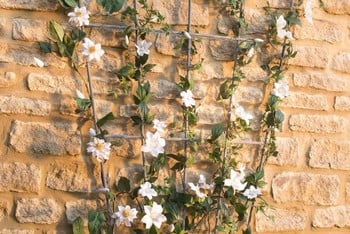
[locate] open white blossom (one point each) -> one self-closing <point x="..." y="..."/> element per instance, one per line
<point x="153" y="216"/>
<point x="235" y="181"/>
<point x="125" y="215"/>
<point x="99" y="149"/>
<point x="146" y="190"/>
<point x="154" y="144"/>
<point x="281" y="89"/>
<point x="200" y="186"/>
<point x="38" y="62"/>
<point x="79" y="17"/>
<point x="187" y="98"/>
<point x="252" y="192"/>
<point x="197" y="190"/>
<point x="202" y="182"/>
<point x="159" y="125"/>
<point x="308" y="11"/>
<point x="251" y="52"/>
<point x="242" y="114"/>
<point x="154" y="19"/>
<point x="143" y="47"/>
<point x="281" y="23"/>
<point x="91" y="50"/>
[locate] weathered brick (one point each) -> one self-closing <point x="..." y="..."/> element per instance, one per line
<point x="208" y="71"/>
<point x="3" y="22"/>
<point x="339" y="7"/>
<point x="338" y="216"/>
<point x="52" y="84"/>
<point x="59" y="138"/>
<point x="167" y="113"/>
<point x="329" y="82"/>
<point x="37" y="5"/>
<point x="280" y="220"/>
<point x="19" y="177"/>
<point x="4" y="210"/>
<point x="310" y="56"/>
<point x="77" y="208"/>
<point x="247" y="94"/>
<point x="134" y="174"/>
<point x="257" y="21"/>
<point x="221" y="50"/>
<point x="310" y="189"/>
<point x="176" y="12"/>
<point x="38" y="210"/>
<point x="210" y="114"/>
<point x="29" y="30"/>
<point x="330" y="154"/>
<point x="342" y="103"/>
<point x="107" y="36"/>
<point x="71" y="177"/>
<point x="347" y="192"/>
<point x="8" y="79"/>
<point x="279" y="3"/>
<point x="319" y="31"/>
<point x="164" y="89"/>
<point x="341" y="62"/>
<point x="16" y="231"/>
<point x="17" y="105"/>
<point x="317" y="123"/>
<point x="254" y="73"/>
<point x="306" y="101"/>
<point x="288" y="152"/>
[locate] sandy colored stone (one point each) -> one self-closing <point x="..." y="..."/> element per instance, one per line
<point x="37" y="5"/>
<point x="107" y="36"/>
<point x="306" y="101"/>
<point x="165" y="44"/>
<point x="29" y="30"/>
<point x="221" y="50"/>
<point x="210" y="114"/>
<point x="318" y="123"/>
<point x="307" y="188"/>
<point x="77" y="208"/>
<point x="338" y="216"/>
<point x="339" y="7"/>
<point x="248" y="94"/>
<point x="38" y="210"/>
<point x="4" y="210"/>
<point x="209" y="70"/>
<point x="330" y="154"/>
<point x="58" y="138"/>
<point x="279" y="3"/>
<point x="70" y="177"/>
<point x="133" y="173"/>
<point x="329" y="82"/>
<point x="347" y="192"/>
<point x="310" y="56"/>
<point x="19" y="177"/>
<point x="254" y="73"/>
<point x="18" y="105"/>
<point x="16" y="231"/>
<point x="8" y="79"/>
<point x="342" y="103"/>
<point x="164" y="89"/>
<point x="288" y="152"/>
<point x="280" y="220"/>
<point x="341" y="62"/>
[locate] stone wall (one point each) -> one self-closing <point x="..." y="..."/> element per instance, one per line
<point x="46" y="177"/>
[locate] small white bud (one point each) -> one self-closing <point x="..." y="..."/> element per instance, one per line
<point x="79" y="94"/>
<point x="39" y="62"/>
<point x="92" y="132"/>
<point x="154" y="19"/>
<point x="258" y="40"/>
<point x="187" y="35"/>
<point x="127" y="40"/>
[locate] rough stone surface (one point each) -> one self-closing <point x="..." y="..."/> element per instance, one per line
<point x="329" y="82"/>
<point x="4" y="210"/>
<point x="330" y="154"/>
<point x="176" y="12"/>
<point x="279" y="3"/>
<point x="347" y="192"/>
<point x="8" y="79"/>
<point x="208" y="71"/>
<point x="36" y="210"/>
<point x="288" y="152"/>
<point x="341" y="62"/>
<point x="19" y="177"/>
<point x="210" y="114"/>
<point x="221" y="50"/>
<point x="342" y="103"/>
<point x="107" y="36"/>
<point x="247" y="94"/>
<point x="71" y="177"/>
<point x="310" y="56"/>
<point x="280" y="220"/>
<point x="319" y="31"/>
<point x="134" y="174"/>
<point x="37" y="5"/>
<point x="254" y="73"/>
<point x="29" y="30"/>
<point x="310" y="189"/>
<point x="52" y="84"/>
<point x="338" y="216"/>
<point x="17" y="105"/>
<point x="317" y="123"/>
<point x="306" y="101"/>
<point x="59" y="138"/>
<point x="338" y="7"/>
<point x="162" y="88"/>
<point x="16" y="231"/>
<point x="81" y="207"/>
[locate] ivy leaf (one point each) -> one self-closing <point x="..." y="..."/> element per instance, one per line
<point x="68" y="3"/>
<point x="56" y="31"/>
<point x="123" y="184"/>
<point x="111" y="5"/>
<point x="45" y="47"/>
<point x="96" y="220"/>
<point x="104" y="119"/>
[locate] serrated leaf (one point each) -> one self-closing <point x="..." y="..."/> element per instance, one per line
<point x="111" y="5"/>
<point x="45" y="47"/>
<point x="105" y="118"/>
<point x="78" y="226"/>
<point x="123" y="184"/>
<point x="96" y="221"/>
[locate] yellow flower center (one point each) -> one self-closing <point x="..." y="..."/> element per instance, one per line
<point x="92" y="49"/>
<point x="126" y="213"/>
<point x="78" y="14"/>
<point x="99" y="146"/>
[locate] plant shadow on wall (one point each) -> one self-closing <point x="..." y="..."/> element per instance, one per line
<point x="171" y="195"/>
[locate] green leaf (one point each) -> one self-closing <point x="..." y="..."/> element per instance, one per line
<point x="123" y="184"/>
<point x="68" y="3"/>
<point x="149" y="67"/>
<point x="45" y="47"/>
<point x="96" y="221"/>
<point x="78" y="34"/>
<point x="104" y="119"/>
<point x="216" y="131"/>
<point x="56" y="31"/>
<point x="78" y="226"/>
<point x="111" y="5"/>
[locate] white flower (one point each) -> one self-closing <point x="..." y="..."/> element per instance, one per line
<point x="79" y="17"/>
<point x="154" y="19"/>
<point x="143" y="47"/>
<point x="99" y="149"/>
<point x="153" y="216"/>
<point x="159" y="125"/>
<point x="235" y="181"/>
<point x="187" y="98"/>
<point x="125" y="215"/>
<point x="281" y="89"/>
<point x="154" y="144"/>
<point x="197" y="190"/>
<point x="127" y="40"/>
<point x="240" y="113"/>
<point x="252" y="192"/>
<point x="251" y="52"/>
<point x="91" y="50"/>
<point x="146" y="190"/>
<point x="201" y="185"/>
<point x="281" y="32"/>
<point x="92" y="132"/>
<point x="39" y="62"/>
<point x="79" y="94"/>
<point x="308" y="11"/>
<point x="202" y="182"/>
<point x="258" y="40"/>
